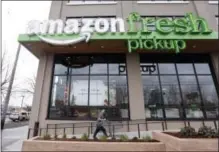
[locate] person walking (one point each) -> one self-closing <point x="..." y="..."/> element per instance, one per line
<point x="108" y="105"/>
<point x="99" y="126"/>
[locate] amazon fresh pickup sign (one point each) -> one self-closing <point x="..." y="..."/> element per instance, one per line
<point x="167" y="35"/>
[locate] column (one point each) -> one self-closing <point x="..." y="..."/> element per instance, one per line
<point x="45" y="97"/>
<point x="35" y="111"/>
<point x="136" y="99"/>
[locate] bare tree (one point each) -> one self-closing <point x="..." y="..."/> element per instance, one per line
<point x="6" y="70"/>
<point x="5" y="73"/>
<point x="28" y="108"/>
<point x="9" y="89"/>
<point x="31" y="85"/>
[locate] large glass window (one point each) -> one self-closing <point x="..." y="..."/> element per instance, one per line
<point x="152" y="97"/>
<point x="178" y="87"/>
<point x="83" y="85"/>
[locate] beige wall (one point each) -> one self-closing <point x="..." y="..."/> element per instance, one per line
<point x="34" y="117"/>
<point x="136" y="100"/>
<point x="46" y="91"/>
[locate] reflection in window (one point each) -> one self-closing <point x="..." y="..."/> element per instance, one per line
<point x="117" y="69"/>
<point x="194" y="112"/>
<point x="80" y="113"/>
<point x="59" y="96"/>
<point x="185" y="68"/>
<point x="81" y="70"/>
<point x="189" y="90"/>
<point x="99" y="69"/>
<point x="153" y="112"/>
<point x="212" y="112"/>
<point x="208" y="91"/>
<point x="98" y="90"/>
<point x="82" y="93"/>
<point x="60" y="69"/>
<point x="79" y="91"/>
<point x="152" y="94"/>
<point x="202" y="68"/>
<point x="167" y="68"/>
<point x="118" y="94"/>
<point x="59" y="89"/>
<point x="94" y="112"/>
<point x="152" y="97"/>
<point x="173" y="112"/>
<point x="170" y="87"/>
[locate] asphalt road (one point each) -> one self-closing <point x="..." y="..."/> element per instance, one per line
<point x="10" y="124"/>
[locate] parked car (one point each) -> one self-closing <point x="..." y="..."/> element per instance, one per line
<point x="19" y="116"/>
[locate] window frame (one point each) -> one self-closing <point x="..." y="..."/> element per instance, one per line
<point x="68" y="82"/>
<point x="185" y="58"/>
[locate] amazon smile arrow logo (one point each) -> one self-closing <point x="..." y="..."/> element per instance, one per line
<point x="83" y="37"/>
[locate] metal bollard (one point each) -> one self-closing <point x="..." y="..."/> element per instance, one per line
<point x="162" y="125"/>
<point x="63" y="131"/>
<point x="138" y="131"/>
<point x="55" y="130"/>
<point x="113" y="131"/>
<point x="73" y="129"/>
<point x="88" y="131"/>
<point x="146" y="125"/>
<point x="28" y="134"/>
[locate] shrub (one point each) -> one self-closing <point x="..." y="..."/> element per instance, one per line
<point x="123" y="137"/>
<point x="73" y="137"/>
<point x="84" y="137"/>
<point x="113" y="138"/>
<point x="187" y="131"/>
<point x="55" y="136"/>
<point x="64" y="136"/>
<point x="217" y="133"/>
<point x="146" y="138"/>
<point x="207" y="132"/>
<point x="103" y="138"/>
<point x="135" y="139"/>
<point x="47" y="137"/>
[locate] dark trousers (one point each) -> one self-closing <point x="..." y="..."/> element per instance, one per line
<point x="98" y="129"/>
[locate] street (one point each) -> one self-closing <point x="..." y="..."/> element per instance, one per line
<point x="10" y="124"/>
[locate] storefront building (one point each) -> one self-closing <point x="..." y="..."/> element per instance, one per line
<point x="148" y="60"/>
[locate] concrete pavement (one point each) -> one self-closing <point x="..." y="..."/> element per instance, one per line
<point x="12" y="139"/>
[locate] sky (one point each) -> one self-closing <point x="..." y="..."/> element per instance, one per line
<point x="15" y="16"/>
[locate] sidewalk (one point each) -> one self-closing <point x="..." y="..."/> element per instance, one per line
<point x="12" y="139"/>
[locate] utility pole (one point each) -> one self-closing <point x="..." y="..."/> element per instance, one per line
<point x="22" y="101"/>
<point x="7" y="98"/>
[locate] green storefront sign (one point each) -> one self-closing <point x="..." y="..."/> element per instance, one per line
<point x="167" y="34"/>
